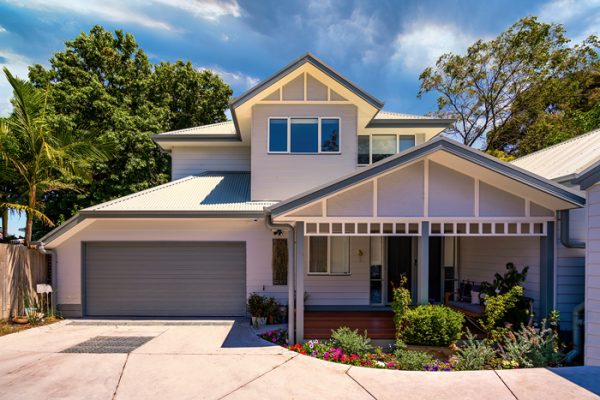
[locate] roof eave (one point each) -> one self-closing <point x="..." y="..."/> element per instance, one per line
<point x="94" y="214"/>
<point x="194" y="137"/>
<point x="588" y="177"/>
<point x="421" y="122"/>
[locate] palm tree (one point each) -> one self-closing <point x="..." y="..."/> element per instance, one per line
<point x="39" y="158"/>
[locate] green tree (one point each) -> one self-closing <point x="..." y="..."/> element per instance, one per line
<point x="484" y="88"/>
<point x="193" y="97"/>
<point x="40" y="158"/>
<point x="104" y="85"/>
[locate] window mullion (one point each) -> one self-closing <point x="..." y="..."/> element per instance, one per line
<point x="370" y="149"/>
<point x="289" y="136"/>
<point x="319" y="134"/>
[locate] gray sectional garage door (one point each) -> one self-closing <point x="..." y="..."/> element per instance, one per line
<point x="194" y="279"/>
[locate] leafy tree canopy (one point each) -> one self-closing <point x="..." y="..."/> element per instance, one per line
<point x="524" y="90"/>
<point x="103" y="84"/>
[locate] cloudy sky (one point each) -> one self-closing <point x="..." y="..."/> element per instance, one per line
<point x="380" y="45"/>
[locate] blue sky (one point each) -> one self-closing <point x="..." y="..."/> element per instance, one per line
<point x="380" y="45"/>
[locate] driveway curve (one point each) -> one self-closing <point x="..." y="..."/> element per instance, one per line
<point x="209" y="359"/>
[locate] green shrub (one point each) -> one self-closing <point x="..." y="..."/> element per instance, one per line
<point x="256" y="305"/>
<point x="433" y="325"/>
<point x="531" y="348"/>
<point x="411" y="360"/>
<point x="350" y="341"/>
<point x="401" y="300"/>
<point x="497" y="307"/>
<point x="474" y="354"/>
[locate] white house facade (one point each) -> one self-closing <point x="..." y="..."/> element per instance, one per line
<point x="359" y="196"/>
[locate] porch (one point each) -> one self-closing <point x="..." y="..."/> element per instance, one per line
<point x="437" y="214"/>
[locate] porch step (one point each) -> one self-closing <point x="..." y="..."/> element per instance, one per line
<point x="378" y="324"/>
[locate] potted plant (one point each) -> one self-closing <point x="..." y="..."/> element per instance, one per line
<point x="257" y="309"/>
<point x="273" y="311"/>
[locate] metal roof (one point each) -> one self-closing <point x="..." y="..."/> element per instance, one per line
<point x="468" y="153"/>
<point x="382" y="114"/>
<point x="220" y="128"/>
<point x="564" y="160"/>
<point x="211" y="192"/>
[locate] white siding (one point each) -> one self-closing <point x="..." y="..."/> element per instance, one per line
<point x="481" y="257"/>
<point x="592" y="279"/>
<point x="257" y="237"/>
<point x="350" y="289"/>
<point x="279" y="176"/>
<point x="186" y="161"/>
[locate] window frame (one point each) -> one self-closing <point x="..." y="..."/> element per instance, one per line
<point x="370" y="135"/>
<point x="328" y="272"/>
<point x="289" y="135"/>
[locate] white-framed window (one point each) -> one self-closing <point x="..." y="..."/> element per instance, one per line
<point x="376" y="147"/>
<point x="329" y="255"/>
<point x="304" y="135"/>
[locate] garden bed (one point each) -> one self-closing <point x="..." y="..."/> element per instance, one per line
<point x="8" y="327"/>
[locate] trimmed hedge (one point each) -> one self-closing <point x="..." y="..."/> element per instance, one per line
<point x="431" y="325"/>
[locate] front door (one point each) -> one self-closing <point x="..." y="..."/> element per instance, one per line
<point x="399" y="262"/>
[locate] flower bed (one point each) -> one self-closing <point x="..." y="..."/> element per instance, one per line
<point x="327" y="351"/>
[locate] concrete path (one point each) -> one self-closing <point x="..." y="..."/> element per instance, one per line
<point x="225" y="360"/>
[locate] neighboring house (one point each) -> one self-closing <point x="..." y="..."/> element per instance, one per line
<point x="562" y="163"/>
<point x="589" y="180"/>
<point x="362" y="195"/>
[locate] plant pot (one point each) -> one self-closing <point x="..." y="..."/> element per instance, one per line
<point x="22" y="319"/>
<point x="259" y="321"/>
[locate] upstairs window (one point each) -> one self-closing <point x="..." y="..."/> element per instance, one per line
<point x="309" y="135"/>
<point x="373" y="148"/>
<point x="278" y="135"/>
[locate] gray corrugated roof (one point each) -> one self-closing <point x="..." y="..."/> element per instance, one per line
<point x="219" y="128"/>
<point x="382" y="114"/>
<point x="214" y="191"/>
<point x="564" y="159"/>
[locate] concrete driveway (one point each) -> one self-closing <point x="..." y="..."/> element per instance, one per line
<point x="225" y="360"/>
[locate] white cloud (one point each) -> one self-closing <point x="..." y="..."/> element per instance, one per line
<point x="420" y="44"/>
<point x="341" y="35"/>
<point x="134" y="12"/>
<point x="18" y="66"/>
<point x="207" y="9"/>
<point x="2" y="29"/>
<point x="582" y="17"/>
<point x="234" y="78"/>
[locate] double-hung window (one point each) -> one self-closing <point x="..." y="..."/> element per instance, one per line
<point x="376" y="147"/>
<point x="329" y="255"/>
<point x="304" y="135"/>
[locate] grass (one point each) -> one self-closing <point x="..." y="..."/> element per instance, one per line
<point x="8" y="327"/>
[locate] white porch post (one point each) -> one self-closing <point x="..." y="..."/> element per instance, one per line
<point x="423" y="265"/>
<point x="290" y="281"/>
<point x="299" y="282"/>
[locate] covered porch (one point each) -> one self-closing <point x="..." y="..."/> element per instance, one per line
<point x="438" y="214"/>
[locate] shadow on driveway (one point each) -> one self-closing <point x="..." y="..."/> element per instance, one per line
<point x="586" y="377"/>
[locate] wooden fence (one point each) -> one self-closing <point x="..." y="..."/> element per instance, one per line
<point x="21" y="269"/>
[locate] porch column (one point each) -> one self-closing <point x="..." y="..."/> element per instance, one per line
<point x="423" y="265"/>
<point x="291" y="242"/>
<point x="299" y="282"/>
<point x="547" y="271"/>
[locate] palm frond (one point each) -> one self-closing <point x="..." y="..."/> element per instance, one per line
<point x="28" y="210"/>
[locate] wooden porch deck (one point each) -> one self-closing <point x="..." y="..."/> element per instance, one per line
<point x="379" y="324"/>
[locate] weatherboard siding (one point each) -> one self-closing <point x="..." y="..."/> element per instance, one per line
<point x="279" y="176"/>
<point x="186" y="161"/>
<point x="332" y="290"/>
<point x="592" y="279"/>
<point x="481" y="257"/>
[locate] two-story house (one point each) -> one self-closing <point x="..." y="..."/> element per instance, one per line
<point x="315" y="195"/>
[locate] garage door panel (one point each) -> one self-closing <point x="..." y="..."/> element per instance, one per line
<point x="165" y="279"/>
